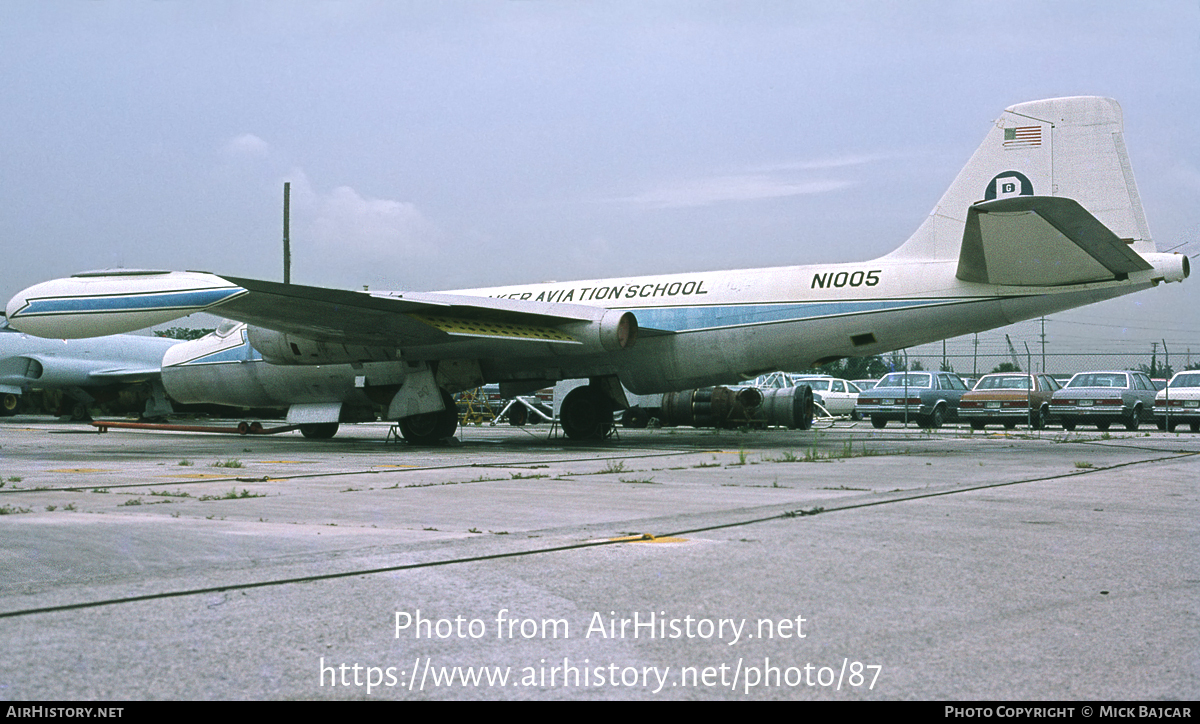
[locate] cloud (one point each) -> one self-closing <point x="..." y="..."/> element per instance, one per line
<point x="735" y="188"/>
<point x="248" y="145"/>
<point x="378" y="229"/>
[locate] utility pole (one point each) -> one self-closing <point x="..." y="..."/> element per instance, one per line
<point x="1043" y="345"/>
<point x="287" y="241"/>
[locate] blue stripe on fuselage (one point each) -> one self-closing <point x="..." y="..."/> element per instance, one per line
<point x="109" y="303"/>
<point x="686" y="319"/>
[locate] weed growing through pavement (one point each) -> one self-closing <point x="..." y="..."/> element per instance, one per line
<point x="233" y="495"/>
<point x="614" y="466"/>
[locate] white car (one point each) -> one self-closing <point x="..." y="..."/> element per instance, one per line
<point x="1179" y="402"/>
<point x="838" y="397"/>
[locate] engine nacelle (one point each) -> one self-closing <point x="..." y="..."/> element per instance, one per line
<point x="288" y="349"/>
<point x="614" y="331"/>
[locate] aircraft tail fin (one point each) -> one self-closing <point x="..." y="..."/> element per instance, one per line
<point x="1053" y="150"/>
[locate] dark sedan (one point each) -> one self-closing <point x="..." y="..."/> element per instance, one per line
<point x="1102" y="398"/>
<point x="926" y="398"/>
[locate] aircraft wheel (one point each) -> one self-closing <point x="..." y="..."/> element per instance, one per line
<point x="635" y="417"/>
<point x="878" y="422"/>
<point x="518" y="415"/>
<point x="319" y="430"/>
<point x="431" y="427"/>
<point x="586" y="414"/>
<point x="10" y="404"/>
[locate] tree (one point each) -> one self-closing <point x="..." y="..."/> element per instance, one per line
<point x="854" y="368"/>
<point x="1005" y="367"/>
<point x="182" y="333"/>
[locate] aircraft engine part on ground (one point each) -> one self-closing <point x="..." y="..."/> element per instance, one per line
<point x="731" y="407"/>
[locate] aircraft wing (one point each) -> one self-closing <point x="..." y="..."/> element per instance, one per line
<point x="1041" y="241"/>
<point x="100" y="303"/>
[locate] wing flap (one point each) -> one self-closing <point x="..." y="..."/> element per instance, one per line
<point x="1041" y="241"/>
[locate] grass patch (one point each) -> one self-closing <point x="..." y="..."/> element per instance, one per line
<point x="231" y="463"/>
<point x="233" y="495"/>
<point x="614" y="466"/>
<point x="1083" y="464"/>
<point x="13" y="510"/>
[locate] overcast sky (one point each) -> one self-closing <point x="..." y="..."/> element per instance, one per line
<point x="437" y="145"/>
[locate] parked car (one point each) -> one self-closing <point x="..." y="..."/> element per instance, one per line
<point x="865" y="385"/>
<point x="838" y="397"/>
<point x="1104" y="397"/>
<point x="926" y="398"/>
<point x="1007" y="399"/>
<point x="1183" y="396"/>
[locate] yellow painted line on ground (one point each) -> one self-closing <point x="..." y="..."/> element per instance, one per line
<point x="195" y="475"/>
<point x="282" y="462"/>
<point x="79" y="470"/>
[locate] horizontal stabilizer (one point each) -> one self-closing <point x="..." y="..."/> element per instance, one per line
<point x="1041" y="241"/>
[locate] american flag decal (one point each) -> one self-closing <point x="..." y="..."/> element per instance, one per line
<point x="1023" y="137"/>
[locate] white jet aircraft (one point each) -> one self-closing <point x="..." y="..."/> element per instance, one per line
<point x="1044" y="217"/>
<point x="84" y="371"/>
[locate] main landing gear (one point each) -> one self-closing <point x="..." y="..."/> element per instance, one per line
<point x="431" y="428"/>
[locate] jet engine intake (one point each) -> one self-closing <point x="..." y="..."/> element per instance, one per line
<point x="615" y="330"/>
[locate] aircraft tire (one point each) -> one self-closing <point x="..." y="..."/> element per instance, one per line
<point x="319" y="430"/>
<point x="10" y="404"/>
<point x="586" y="414"/>
<point x="432" y="427"/>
